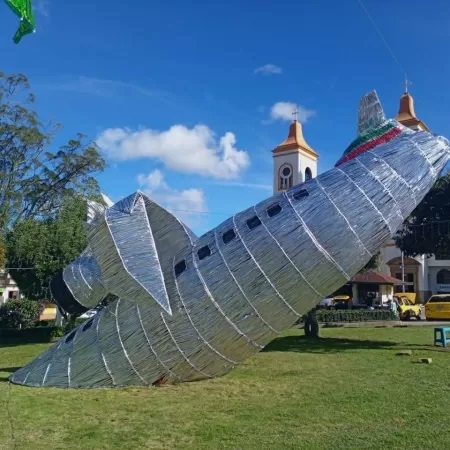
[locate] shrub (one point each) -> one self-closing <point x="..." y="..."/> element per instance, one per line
<point x="44" y="323"/>
<point x="19" y="313"/>
<point x="37" y="334"/>
<point x="357" y="315"/>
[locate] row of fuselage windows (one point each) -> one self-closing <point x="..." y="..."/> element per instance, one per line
<point x="230" y="234"/>
<point x="86" y="326"/>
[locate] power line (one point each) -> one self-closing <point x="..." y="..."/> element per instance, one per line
<point x="383" y="38"/>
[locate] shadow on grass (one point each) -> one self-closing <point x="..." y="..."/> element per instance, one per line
<point x="302" y="344"/>
<point x="429" y="347"/>
<point x="6" y="344"/>
<point x="5" y="379"/>
<point x="21" y="342"/>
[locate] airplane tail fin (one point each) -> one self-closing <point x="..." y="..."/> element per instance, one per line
<point x="370" y="113"/>
<point x="373" y="128"/>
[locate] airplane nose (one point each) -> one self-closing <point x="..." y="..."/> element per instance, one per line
<point x="444" y="140"/>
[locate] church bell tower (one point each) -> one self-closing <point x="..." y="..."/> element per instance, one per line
<point x="294" y="160"/>
<point x="406" y="113"/>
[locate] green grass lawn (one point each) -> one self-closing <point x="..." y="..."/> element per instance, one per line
<point x="348" y="390"/>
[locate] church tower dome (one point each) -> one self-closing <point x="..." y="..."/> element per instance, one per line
<point x="406" y="113"/>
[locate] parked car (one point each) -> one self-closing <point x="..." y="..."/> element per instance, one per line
<point x="342" y="302"/>
<point x="411" y="296"/>
<point x="88" y="314"/>
<point x="438" y="307"/>
<point x="326" y="303"/>
<point x="407" y="309"/>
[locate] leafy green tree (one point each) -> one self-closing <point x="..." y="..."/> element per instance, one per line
<point x="427" y="230"/>
<point x="2" y="252"/>
<point x="42" y="189"/>
<point x="38" y="248"/>
<point x="34" y="179"/>
<point x="374" y="263"/>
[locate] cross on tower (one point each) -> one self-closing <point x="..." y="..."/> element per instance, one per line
<point x="407" y="83"/>
<point x="295" y="113"/>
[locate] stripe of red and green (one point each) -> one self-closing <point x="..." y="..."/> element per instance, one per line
<point x="370" y="140"/>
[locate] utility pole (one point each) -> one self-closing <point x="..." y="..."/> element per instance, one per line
<point x="403" y="272"/>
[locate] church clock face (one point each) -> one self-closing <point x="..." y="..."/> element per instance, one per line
<point x="286" y="172"/>
<point x="285" y="177"/>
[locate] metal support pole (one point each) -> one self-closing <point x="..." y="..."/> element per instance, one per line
<point x="403" y="272"/>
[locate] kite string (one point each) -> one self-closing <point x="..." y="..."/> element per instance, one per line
<point x="383" y="38"/>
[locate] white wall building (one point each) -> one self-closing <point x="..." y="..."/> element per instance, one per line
<point x="8" y="287"/>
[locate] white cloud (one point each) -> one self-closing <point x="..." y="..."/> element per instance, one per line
<point x="269" y="69"/>
<point x="179" y="148"/>
<point x="101" y="87"/>
<point x="189" y="205"/>
<point x="42" y="7"/>
<point x="285" y="110"/>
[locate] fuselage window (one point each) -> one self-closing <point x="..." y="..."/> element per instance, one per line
<point x="253" y="222"/>
<point x="228" y="236"/>
<point x="180" y="267"/>
<point x="70" y="337"/>
<point x="88" y="324"/>
<point x="301" y="194"/>
<point x="204" y="252"/>
<point x="274" y="210"/>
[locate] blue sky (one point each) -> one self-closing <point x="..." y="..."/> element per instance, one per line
<point x="173" y="94"/>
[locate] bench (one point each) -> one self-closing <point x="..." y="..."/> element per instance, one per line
<point x="442" y="338"/>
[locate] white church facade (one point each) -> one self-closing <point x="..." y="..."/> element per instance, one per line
<point x="294" y="161"/>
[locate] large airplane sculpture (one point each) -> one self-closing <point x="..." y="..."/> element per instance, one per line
<point x="187" y="308"/>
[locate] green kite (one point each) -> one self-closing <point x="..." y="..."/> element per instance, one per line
<point x="24" y="10"/>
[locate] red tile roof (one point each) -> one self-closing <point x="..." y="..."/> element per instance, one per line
<point x="373" y="277"/>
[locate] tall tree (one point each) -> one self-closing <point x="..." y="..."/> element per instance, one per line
<point x="427" y="230"/>
<point x="38" y="248"/>
<point x="2" y="252"/>
<point x="374" y="263"/>
<point x="34" y="179"/>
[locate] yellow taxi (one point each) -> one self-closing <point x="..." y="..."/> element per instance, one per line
<point x="438" y="307"/>
<point x="407" y="309"/>
<point x="342" y="302"/>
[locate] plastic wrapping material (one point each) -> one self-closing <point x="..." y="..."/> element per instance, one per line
<point x="191" y="308"/>
<point x="24" y="10"/>
<point x="83" y="278"/>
